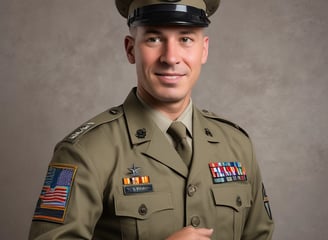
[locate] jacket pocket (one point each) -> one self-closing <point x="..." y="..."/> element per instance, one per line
<point x="142" y="216"/>
<point x="232" y="203"/>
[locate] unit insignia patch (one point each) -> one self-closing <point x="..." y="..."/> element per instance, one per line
<point x="266" y="202"/>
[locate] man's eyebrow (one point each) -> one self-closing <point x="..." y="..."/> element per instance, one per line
<point x="186" y="32"/>
<point x="158" y="32"/>
<point x="152" y="31"/>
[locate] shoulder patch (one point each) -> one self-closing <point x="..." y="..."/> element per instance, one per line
<point x="55" y="193"/>
<point x="100" y="119"/>
<point x="79" y="131"/>
<point x="266" y="202"/>
<point x="212" y="115"/>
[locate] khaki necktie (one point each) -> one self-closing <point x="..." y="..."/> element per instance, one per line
<point x="178" y="132"/>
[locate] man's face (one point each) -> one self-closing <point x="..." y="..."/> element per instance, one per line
<point x="168" y="61"/>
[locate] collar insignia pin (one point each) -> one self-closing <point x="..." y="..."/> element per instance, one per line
<point x="208" y="132"/>
<point x="141" y="133"/>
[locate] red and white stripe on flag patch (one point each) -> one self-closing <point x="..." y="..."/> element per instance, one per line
<point x="55" y="193"/>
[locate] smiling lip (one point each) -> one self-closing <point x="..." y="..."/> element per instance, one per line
<point x="169" y="76"/>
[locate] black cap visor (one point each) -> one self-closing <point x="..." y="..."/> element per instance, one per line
<point x="168" y="14"/>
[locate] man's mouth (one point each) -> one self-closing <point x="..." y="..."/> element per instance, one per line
<point x="170" y="75"/>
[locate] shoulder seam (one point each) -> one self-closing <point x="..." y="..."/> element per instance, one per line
<point x="212" y="115"/>
<point x="102" y="118"/>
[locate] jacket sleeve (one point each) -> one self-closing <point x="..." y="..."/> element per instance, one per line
<point x="259" y="224"/>
<point x="78" y="218"/>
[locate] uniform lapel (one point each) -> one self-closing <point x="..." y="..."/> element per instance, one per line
<point x="160" y="149"/>
<point x="147" y="138"/>
<point x="205" y="143"/>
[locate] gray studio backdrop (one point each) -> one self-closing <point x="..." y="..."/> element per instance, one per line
<point x="62" y="62"/>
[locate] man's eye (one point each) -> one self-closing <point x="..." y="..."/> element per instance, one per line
<point x="186" y="40"/>
<point x="153" y="39"/>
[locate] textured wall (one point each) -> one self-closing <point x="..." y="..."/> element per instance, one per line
<point x="61" y="62"/>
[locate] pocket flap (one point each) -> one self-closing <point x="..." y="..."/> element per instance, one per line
<point x="142" y="206"/>
<point x="236" y="196"/>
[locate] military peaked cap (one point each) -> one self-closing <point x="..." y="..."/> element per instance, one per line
<point x="167" y="12"/>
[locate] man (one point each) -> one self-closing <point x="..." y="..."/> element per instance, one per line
<point x="128" y="174"/>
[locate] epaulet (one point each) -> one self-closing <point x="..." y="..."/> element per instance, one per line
<point x="100" y="119"/>
<point x="212" y="115"/>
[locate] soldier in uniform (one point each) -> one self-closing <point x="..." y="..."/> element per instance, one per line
<point x="156" y="167"/>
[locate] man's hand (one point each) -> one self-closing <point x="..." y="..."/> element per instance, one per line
<point x="191" y="233"/>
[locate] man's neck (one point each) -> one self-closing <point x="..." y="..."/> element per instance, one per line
<point x="171" y="110"/>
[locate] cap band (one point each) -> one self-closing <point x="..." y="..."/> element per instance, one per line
<point x="141" y="3"/>
<point x="168" y="14"/>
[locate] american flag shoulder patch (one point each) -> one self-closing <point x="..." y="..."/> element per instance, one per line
<point x="55" y="193"/>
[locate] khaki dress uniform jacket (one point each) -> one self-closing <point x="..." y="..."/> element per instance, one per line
<point x="105" y="148"/>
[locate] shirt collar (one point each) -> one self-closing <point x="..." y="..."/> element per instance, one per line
<point x="163" y="122"/>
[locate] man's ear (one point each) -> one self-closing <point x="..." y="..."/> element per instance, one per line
<point x="205" y="49"/>
<point x="129" y="49"/>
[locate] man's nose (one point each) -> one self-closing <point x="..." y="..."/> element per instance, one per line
<point x="170" y="53"/>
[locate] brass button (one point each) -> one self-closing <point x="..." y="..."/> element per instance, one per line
<point x="142" y="210"/>
<point x="238" y="201"/>
<point x="191" y="190"/>
<point x="195" y="221"/>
